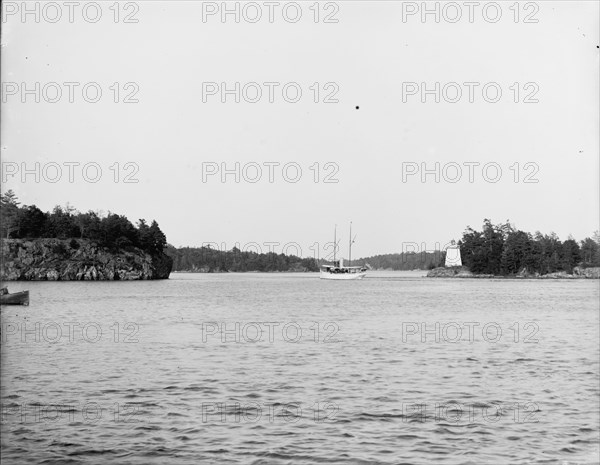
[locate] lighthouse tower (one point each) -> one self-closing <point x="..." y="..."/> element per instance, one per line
<point x="453" y="255"/>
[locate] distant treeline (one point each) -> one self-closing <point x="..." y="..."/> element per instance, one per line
<point x="406" y="260"/>
<point x="112" y="231"/>
<point x="207" y="259"/>
<point x="503" y="250"/>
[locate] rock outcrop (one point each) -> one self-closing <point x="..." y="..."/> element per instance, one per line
<point x="525" y="273"/>
<point x="578" y="273"/>
<point x="451" y="272"/>
<point x="462" y="272"/>
<point x="77" y="260"/>
<point x="590" y="273"/>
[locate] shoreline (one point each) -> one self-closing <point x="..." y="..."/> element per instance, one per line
<point x="464" y="273"/>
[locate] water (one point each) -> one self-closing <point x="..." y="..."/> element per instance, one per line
<point x="359" y="386"/>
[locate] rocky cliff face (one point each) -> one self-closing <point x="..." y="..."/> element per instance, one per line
<point x="76" y="260"/>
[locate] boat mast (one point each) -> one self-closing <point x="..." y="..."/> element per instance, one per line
<point x="334" y="242"/>
<point x="350" y="246"/>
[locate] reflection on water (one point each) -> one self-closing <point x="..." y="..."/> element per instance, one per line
<point x="286" y="368"/>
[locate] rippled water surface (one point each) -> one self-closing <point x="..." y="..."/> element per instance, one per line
<point x="340" y="373"/>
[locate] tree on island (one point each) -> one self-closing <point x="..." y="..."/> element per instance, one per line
<point x="481" y="252"/>
<point x="151" y="237"/>
<point x="517" y="252"/>
<point x="590" y="250"/>
<point x="9" y="210"/>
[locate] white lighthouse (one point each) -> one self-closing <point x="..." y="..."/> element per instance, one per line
<point x="453" y="255"/>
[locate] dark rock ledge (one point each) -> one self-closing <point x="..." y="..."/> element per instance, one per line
<point x="77" y="260"/>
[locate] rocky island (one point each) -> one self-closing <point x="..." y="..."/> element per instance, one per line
<point x="67" y="245"/>
<point x="503" y="251"/>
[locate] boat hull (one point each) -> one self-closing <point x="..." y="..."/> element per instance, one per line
<point x="17" y="298"/>
<point x="342" y="276"/>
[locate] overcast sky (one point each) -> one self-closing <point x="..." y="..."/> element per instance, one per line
<point x="368" y="56"/>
